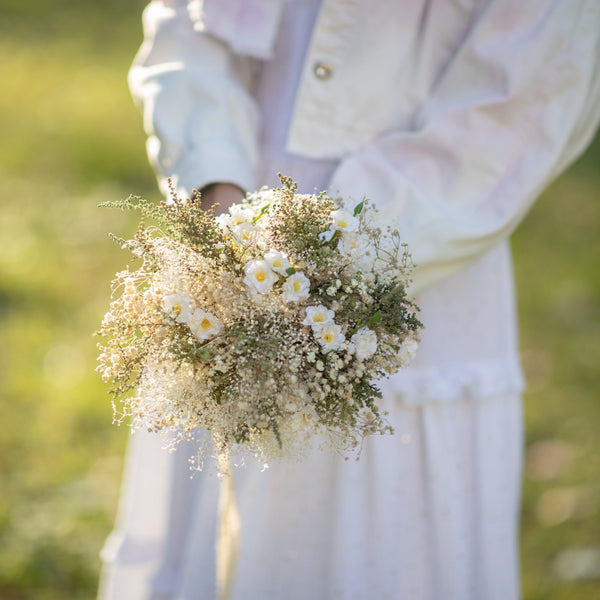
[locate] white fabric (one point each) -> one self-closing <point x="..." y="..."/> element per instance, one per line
<point x="427" y="514"/>
<point x="441" y="89"/>
<point x="455" y="168"/>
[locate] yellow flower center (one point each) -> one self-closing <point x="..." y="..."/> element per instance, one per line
<point x="277" y="263"/>
<point x="261" y="276"/>
<point x="343" y="224"/>
<point x="177" y="309"/>
<point x="319" y="317"/>
<point x="328" y="337"/>
<point x="297" y="286"/>
<point x="205" y="324"/>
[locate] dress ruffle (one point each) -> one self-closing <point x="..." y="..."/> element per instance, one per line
<point x="475" y="381"/>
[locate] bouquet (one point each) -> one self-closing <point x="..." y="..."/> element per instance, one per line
<point x="266" y="325"/>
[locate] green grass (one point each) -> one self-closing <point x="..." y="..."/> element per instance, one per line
<point x="557" y="253"/>
<point x="71" y="139"/>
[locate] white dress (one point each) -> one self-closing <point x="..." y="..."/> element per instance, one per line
<point x="430" y="513"/>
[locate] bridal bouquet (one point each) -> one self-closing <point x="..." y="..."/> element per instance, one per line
<point x="265" y="325"/>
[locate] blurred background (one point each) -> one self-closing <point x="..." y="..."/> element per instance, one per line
<point x="70" y="138"/>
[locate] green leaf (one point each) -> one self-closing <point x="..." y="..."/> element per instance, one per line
<point x="358" y="208"/>
<point x="204" y="354"/>
<point x="373" y="319"/>
<point x="263" y="210"/>
<point x="290" y="270"/>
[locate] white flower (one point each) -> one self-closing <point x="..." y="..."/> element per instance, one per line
<point x="224" y="221"/>
<point x="325" y="236"/>
<point x="246" y="234"/>
<point x="296" y="287"/>
<point x="330" y="336"/>
<point x="364" y="343"/>
<point x="342" y="221"/>
<point x="317" y="316"/>
<point x="278" y="261"/>
<point x="259" y="276"/>
<point x="204" y="325"/>
<point x="352" y="245"/>
<point x="240" y="214"/>
<point x="263" y="197"/>
<point x="408" y="350"/>
<point x="179" y="307"/>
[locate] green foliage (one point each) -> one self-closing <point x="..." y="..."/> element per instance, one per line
<point x="153" y="210"/>
<point x="358" y="208"/>
<point x="395" y="310"/>
<point x="304" y="222"/>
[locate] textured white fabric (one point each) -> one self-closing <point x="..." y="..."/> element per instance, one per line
<point x="430" y="513"/>
<point x="427" y="514"/>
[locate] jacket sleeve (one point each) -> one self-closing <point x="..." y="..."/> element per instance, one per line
<point x="517" y="104"/>
<point x="200" y="118"/>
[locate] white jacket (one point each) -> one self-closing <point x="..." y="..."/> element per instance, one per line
<point x="454" y="115"/>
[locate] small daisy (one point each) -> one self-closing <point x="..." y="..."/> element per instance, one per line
<point x="408" y="350"/>
<point x="330" y="337"/>
<point x="364" y="343"/>
<point x="204" y="325"/>
<point x="278" y="261"/>
<point x="240" y="214"/>
<point x="259" y="276"/>
<point x="296" y="287"/>
<point x="342" y="221"/>
<point x="246" y="234"/>
<point x="318" y="316"/>
<point x="351" y="244"/>
<point x="179" y="307"/>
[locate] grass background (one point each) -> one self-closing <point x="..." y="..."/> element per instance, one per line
<point x="71" y="138"/>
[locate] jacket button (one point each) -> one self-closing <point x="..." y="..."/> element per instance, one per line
<point x="323" y="70"/>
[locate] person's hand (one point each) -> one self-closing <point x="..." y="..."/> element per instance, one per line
<point x="223" y="194"/>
